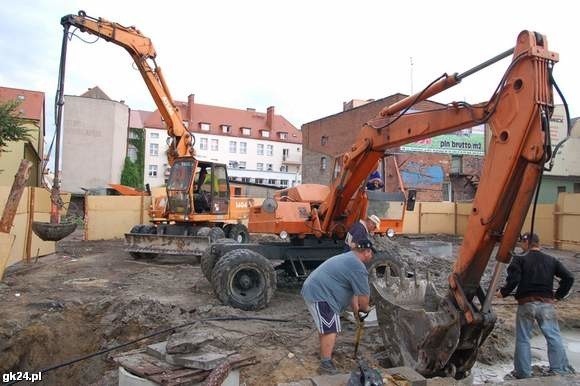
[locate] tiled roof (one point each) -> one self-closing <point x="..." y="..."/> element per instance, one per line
<point x="217" y="116"/>
<point x="137" y="118"/>
<point x="32" y="104"/>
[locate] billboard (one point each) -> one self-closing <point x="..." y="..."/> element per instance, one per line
<point x="467" y="141"/>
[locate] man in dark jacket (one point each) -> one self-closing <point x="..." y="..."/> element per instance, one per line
<point x="533" y="274"/>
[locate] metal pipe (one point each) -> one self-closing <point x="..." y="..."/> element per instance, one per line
<point x="485" y="64"/>
<point x="55" y="192"/>
<point x="492" y="286"/>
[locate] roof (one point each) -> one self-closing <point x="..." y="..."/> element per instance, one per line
<point x="32" y="102"/>
<point x="217" y="116"/>
<point x="137" y="118"/>
<point x="95" y="93"/>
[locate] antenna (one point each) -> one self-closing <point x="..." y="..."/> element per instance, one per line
<point x="411" y="63"/>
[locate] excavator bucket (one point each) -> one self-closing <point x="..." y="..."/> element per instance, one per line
<point x="420" y="329"/>
<point x="166" y="244"/>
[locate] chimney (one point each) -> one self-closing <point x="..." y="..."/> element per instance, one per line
<point x="190" y="103"/>
<point x="270" y="117"/>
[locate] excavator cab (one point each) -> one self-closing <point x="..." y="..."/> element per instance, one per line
<point x="196" y="186"/>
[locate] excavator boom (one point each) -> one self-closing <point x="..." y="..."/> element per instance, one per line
<point x="442" y="334"/>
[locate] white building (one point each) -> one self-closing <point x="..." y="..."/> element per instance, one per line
<point x="261" y="148"/>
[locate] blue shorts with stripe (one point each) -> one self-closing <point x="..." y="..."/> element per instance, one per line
<point x="325" y="319"/>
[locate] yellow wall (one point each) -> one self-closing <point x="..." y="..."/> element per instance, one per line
<point x="568" y="221"/>
<point x="110" y="217"/>
<point x="26" y="243"/>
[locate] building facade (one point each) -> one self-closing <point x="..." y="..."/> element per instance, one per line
<point x="565" y="174"/>
<point x="444" y="168"/>
<point x="32" y="110"/>
<point x="260" y="148"/>
<point x="94" y="141"/>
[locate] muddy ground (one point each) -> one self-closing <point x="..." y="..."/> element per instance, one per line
<point x="90" y="296"/>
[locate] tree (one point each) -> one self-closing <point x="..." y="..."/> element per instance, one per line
<point x="130" y="174"/>
<point x="12" y="127"/>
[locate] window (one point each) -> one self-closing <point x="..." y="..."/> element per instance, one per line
<point x="246" y="131"/>
<point x="561" y="189"/>
<point x="271" y="181"/>
<point x="259" y="180"/>
<point x="285" y="154"/>
<point x="446" y="192"/>
<point x="204" y="126"/>
<point x="233" y="146"/>
<point x="265" y="133"/>
<point x="132" y="134"/>
<point x="242" y="164"/>
<point x="269" y="149"/>
<point x="203" y="144"/>
<point x="243" y="147"/>
<point x="260" y="149"/>
<point x="283" y="135"/>
<point x="269" y="167"/>
<point x="284" y="168"/>
<point x="323" y="140"/>
<point x="456" y="164"/>
<point x="259" y="166"/>
<point x="154" y="135"/>
<point x="284" y="182"/>
<point x="245" y="179"/>
<point x="132" y="152"/>
<point x="226" y="129"/>
<point x="576" y="187"/>
<point x="152" y="170"/>
<point x="232" y="164"/>
<point x="214" y="145"/>
<point x="298" y="149"/>
<point x="323" y="163"/>
<point x="154" y="149"/>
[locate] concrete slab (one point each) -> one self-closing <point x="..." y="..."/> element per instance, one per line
<point x="331" y="380"/>
<point x="406" y="374"/>
<point x="206" y="359"/>
<point x="189" y="341"/>
<point x="306" y="382"/>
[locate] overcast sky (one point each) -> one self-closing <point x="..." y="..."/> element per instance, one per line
<point x="305" y="57"/>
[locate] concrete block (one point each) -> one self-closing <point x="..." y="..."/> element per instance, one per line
<point x="406" y="374"/>
<point x="304" y="382"/>
<point x="189" y="341"/>
<point x="331" y="380"/>
<point x="205" y="359"/>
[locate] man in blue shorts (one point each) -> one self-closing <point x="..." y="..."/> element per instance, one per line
<point x="339" y="282"/>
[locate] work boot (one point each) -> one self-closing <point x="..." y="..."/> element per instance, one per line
<point x="327" y="367"/>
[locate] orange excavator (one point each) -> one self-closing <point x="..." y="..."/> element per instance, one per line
<point x="200" y="205"/>
<point x="432" y="333"/>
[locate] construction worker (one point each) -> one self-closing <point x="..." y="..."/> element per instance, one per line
<point x="339" y="282"/>
<point x="533" y="274"/>
<point x="361" y="230"/>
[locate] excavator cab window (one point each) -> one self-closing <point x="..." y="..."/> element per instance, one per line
<point x="212" y="191"/>
<point x="178" y="186"/>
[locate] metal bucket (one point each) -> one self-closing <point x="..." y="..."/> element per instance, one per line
<point x="52" y="232"/>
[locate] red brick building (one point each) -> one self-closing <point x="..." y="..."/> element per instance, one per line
<point x="449" y="175"/>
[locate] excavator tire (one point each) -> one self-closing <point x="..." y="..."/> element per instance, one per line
<point x="143" y="229"/>
<point x="216" y="233"/>
<point x="239" y="233"/>
<point x="244" y="279"/>
<point x="209" y="258"/>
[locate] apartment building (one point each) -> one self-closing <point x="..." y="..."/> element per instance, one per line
<point x="32" y="110"/>
<point x="260" y="148"/>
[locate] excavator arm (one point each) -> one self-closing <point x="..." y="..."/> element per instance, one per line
<point x="143" y="53"/>
<point x="446" y="339"/>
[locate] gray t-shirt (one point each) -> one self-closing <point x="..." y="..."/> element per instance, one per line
<point x="336" y="281"/>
